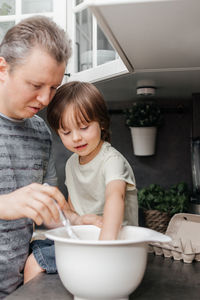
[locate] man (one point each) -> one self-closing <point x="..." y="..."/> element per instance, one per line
<point x="33" y="57"/>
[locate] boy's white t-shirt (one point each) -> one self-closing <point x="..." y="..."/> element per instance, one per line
<point x="86" y="183"/>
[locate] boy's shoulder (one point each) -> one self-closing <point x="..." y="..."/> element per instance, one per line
<point x="109" y="151"/>
<point x="112" y="156"/>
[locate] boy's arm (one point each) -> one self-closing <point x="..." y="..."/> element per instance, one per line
<point x="113" y="209"/>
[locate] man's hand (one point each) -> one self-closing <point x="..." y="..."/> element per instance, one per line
<point x="34" y="201"/>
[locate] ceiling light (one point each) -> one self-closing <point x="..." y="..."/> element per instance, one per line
<point x="146" y="91"/>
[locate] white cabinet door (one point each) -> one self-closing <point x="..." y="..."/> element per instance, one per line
<point x="152" y="34"/>
<point x="93" y="57"/>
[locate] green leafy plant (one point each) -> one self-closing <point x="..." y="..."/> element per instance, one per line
<point x="172" y="201"/>
<point x="144" y="114"/>
<point x="5" y="9"/>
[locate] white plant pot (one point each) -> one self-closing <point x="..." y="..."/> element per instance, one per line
<point x="144" y="140"/>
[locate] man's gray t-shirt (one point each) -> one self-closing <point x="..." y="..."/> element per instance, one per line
<point x="25" y="157"/>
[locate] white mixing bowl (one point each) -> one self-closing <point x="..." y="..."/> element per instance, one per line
<point x="102" y="270"/>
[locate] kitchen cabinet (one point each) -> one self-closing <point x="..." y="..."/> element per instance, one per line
<point x="93" y="57"/>
<point x="152" y="35"/>
<point x="158" y="40"/>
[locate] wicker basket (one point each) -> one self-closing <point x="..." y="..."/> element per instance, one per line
<point x="156" y="220"/>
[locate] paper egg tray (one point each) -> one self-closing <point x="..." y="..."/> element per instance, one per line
<point x="184" y="230"/>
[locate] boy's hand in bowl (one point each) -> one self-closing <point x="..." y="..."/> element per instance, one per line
<point x="91" y="219"/>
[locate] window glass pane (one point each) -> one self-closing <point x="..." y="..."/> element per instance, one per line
<point x="105" y="51"/>
<point x="7" y="7"/>
<point x="4" y="26"/>
<point x="83" y="41"/>
<point x="78" y="2"/>
<point x="36" y="6"/>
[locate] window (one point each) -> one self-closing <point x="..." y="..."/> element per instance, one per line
<point x="93" y="56"/>
<point x="12" y="11"/>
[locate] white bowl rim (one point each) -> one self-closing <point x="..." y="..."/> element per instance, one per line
<point x="154" y="236"/>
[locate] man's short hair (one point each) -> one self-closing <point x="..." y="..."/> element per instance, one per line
<point x="36" y="31"/>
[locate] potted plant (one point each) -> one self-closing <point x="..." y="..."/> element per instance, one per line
<point x="159" y="204"/>
<point x="144" y="118"/>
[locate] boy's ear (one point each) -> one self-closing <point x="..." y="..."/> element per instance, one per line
<point x="3" y="68"/>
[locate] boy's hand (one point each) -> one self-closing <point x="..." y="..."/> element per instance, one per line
<point x="75" y="219"/>
<point x="91" y="219"/>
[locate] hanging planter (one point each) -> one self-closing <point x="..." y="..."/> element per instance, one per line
<point x="143" y="118"/>
<point x="144" y="140"/>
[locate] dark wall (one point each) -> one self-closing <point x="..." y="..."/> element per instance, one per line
<point x="172" y="162"/>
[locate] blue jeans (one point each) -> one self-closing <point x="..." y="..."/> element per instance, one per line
<point x="44" y="253"/>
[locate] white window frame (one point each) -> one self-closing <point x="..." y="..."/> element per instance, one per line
<point x="97" y="72"/>
<point x="58" y="14"/>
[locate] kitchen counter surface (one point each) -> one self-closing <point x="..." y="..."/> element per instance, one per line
<point x="164" y="279"/>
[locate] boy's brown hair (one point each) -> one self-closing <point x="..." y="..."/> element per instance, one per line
<point x="88" y="105"/>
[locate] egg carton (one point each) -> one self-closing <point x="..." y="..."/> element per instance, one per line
<point x="184" y="231"/>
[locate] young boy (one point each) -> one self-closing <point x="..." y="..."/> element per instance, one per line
<point x="98" y="177"/>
